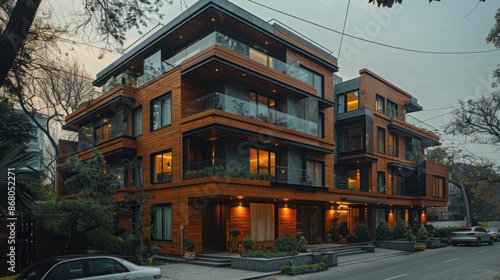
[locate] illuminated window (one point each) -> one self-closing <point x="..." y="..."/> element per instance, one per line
<point x="262" y="107"/>
<point x="261" y="58"/>
<point x="262" y="161"/>
<point x="354" y="179"/>
<point x="262" y="222"/>
<point x="162" y="167"/>
<point x="347" y="102"/>
<point x="438" y="187"/>
<point x="102" y="133"/>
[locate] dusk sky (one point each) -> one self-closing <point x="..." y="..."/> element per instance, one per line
<point x="436" y="80"/>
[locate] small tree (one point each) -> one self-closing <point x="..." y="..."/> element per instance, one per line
<point x="285" y="243"/>
<point x="247" y="243"/>
<point x="361" y="232"/>
<point x="302" y="245"/>
<point x="400" y="230"/>
<point x="383" y="231"/>
<point x="422" y="233"/>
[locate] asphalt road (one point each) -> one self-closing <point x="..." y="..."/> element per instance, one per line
<point x="462" y="262"/>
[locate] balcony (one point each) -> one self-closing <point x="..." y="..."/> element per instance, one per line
<point x="225" y="103"/>
<point x="410" y="120"/>
<point x="216" y="38"/>
<point x="277" y="174"/>
<point x="350" y="145"/>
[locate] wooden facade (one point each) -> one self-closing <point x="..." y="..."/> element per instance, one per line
<point x="236" y="132"/>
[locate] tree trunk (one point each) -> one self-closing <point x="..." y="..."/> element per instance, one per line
<point x="15" y="33"/>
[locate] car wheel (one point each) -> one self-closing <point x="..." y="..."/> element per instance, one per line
<point x="497" y="239"/>
<point x="478" y="242"/>
<point x="491" y="241"/>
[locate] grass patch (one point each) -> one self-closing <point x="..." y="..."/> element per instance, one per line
<point x="420" y="247"/>
<point x="13" y="277"/>
<point x="302" y="269"/>
<point x="268" y="254"/>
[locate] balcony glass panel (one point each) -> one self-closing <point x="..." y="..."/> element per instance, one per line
<point x="248" y="109"/>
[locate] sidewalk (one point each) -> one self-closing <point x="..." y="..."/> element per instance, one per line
<point x="191" y="271"/>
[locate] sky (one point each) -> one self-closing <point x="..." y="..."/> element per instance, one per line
<point x="438" y="81"/>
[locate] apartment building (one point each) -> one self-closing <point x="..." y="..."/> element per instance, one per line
<point x="380" y="153"/>
<point x="233" y="119"/>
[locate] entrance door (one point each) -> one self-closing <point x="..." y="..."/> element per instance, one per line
<point x="214" y="227"/>
<point x="310" y="223"/>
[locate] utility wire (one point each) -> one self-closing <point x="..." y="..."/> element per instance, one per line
<point x="343" y="29"/>
<point x="370" y="41"/>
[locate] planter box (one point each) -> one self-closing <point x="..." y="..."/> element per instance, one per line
<point x="396" y="245"/>
<point x="275" y="264"/>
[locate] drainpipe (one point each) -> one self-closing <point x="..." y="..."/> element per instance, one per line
<point x="182" y="236"/>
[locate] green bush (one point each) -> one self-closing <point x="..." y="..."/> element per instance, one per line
<point x="268" y="254"/>
<point x="188" y="244"/>
<point x="302" y="245"/>
<point x="419" y="247"/>
<point x="343" y="230"/>
<point x="361" y="232"/>
<point x="285" y="243"/>
<point x="422" y="233"/>
<point x="400" y="230"/>
<point x="247" y="243"/>
<point x="443" y="232"/>
<point x="301" y="269"/>
<point x="383" y="232"/>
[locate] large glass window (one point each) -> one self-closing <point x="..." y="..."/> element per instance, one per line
<point x="262" y="107"/>
<point x="381" y="182"/>
<point x="262" y="221"/>
<point x="354" y="179"/>
<point x="261" y="58"/>
<point x="392" y="109"/>
<point x="102" y="133"/>
<point x="162" y="167"/>
<point x="398" y="183"/>
<point x="438" y="187"/>
<point x="315" y="172"/>
<point x="312" y="78"/>
<point x="161" y="222"/>
<point x="380" y="140"/>
<point x="347" y="102"/>
<point x="393" y="145"/>
<point x="262" y="161"/>
<point x="412" y="149"/>
<point x="137" y="121"/>
<point x="350" y="138"/>
<point x="380" y="104"/>
<point x="161" y="112"/>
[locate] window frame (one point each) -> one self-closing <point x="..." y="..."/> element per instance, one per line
<point x="381" y="182"/>
<point x="393" y="111"/>
<point x="438" y="191"/>
<point x="381" y="143"/>
<point x="153" y="175"/>
<point x="169" y="227"/>
<point x="167" y="96"/>
<point x="379" y="99"/>
<point x="134" y="123"/>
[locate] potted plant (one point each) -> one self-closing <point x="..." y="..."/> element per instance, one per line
<point x="189" y="247"/>
<point x="234" y="244"/>
<point x="343" y="233"/>
<point x="247" y="243"/>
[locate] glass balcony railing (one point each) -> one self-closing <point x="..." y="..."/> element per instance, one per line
<point x="252" y="110"/>
<point x="350" y="145"/>
<point x="411" y="120"/>
<point x="279" y="174"/>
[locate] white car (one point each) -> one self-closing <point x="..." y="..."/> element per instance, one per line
<point x="89" y="267"/>
<point x="471" y="235"/>
<point x="495" y="232"/>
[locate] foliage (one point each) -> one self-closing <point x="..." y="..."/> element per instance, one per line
<point x="443" y="232"/>
<point x="145" y="253"/>
<point x="437" y="246"/>
<point x="268" y="254"/>
<point x="247" y="243"/>
<point x="235" y="232"/>
<point x="332" y="234"/>
<point x="361" y="232"/>
<point x="343" y="230"/>
<point x="494" y="38"/>
<point x="301" y="269"/>
<point x="409" y="236"/>
<point x="383" y="232"/>
<point x="422" y="233"/>
<point x="400" y="230"/>
<point x="301" y="245"/>
<point x="419" y="247"/>
<point x="13" y="277"/>
<point x="16" y="125"/>
<point x="285" y="243"/>
<point x="188" y="244"/>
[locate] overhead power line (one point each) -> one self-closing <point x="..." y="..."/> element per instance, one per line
<point x="371" y="41"/>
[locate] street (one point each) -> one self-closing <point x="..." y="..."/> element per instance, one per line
<point x="462" y="262"/>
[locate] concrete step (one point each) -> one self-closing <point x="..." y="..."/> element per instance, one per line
<point x="200" y="260"/>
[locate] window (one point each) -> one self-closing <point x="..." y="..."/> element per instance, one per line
<point x="137" y="121"/>
<point x="262" y="161"/>
<point x="438" y="187"/>
<point x="261" y="58"/>
<point x="315" y="172"/>
<point x="381" y="182"/>
<point x="161" y="112"/>
<point x="161" y="222"/>
<point x="99" y="267"/>
<point x="162" y="167"/>
<point x="350" y="138"/>
<point x="380" y="140"/>
<point x="152" y="65"/>
<point x="262" y="221"/>
<point x="392" y="109"/>
<point x="261" y="107"/>
<point x="347" y="102"/>
<point x="393" y="145"/>
<point x="309" y="76"/>
<point x="412" y="149"/>
<point x="67" y="270"/>
<point x="102" y="133"/>
<point x="354" y="179"/>
<point x="398" y="183"/>
<point x="380" y="104"/>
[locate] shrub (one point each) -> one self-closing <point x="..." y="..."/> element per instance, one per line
<point x="285" y="243"/>
<point x="301" y="245"/>
<point x="400" y="230"/>
<point x="247" y="243"/>
<point x="188" y="244"/>
<point x="235" y="232"/>
<point x="307" y="268"/>
<point x="443" y="232"/>
<point x="343" y="230"/>
<point x="361" y="232"/>
<point x="268" y="254"/>
<point x="422" y="233"/>
<point x="419" y="247"/>
<point x="383" y="231"/>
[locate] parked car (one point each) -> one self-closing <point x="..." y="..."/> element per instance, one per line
<point x="91" y="267"/>
<point x="495" y="232"/>
<point x="471" y="235"/>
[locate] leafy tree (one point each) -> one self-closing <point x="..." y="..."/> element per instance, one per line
<point x="494" y="38"/>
